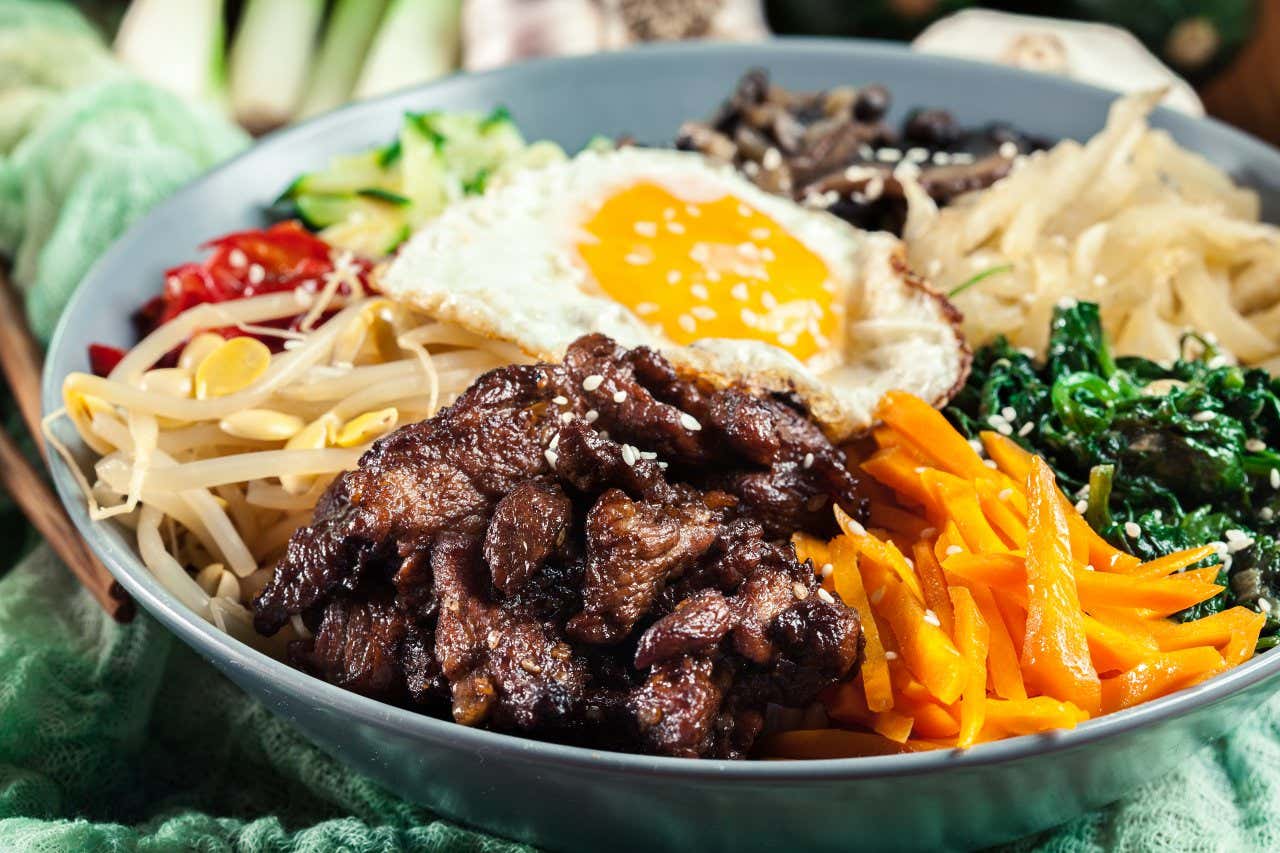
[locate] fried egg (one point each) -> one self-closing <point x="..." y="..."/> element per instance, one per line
<point x="664" y="249"/>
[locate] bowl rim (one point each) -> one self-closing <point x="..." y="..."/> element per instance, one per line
<point x="228" y="653"/>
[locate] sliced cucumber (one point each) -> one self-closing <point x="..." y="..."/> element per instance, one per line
<point x="363" y="225"/>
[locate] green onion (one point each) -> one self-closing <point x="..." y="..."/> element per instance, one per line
<point x="179" y="46"/>
<point x="270" y="58"/>
<point x="417" y="41"/>
<point x="1098" y="512"/>
<point x="347" y="37"/>
<point x="987" y="273"/>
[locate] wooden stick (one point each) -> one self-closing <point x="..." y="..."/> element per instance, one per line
<point x="21" y="361"/>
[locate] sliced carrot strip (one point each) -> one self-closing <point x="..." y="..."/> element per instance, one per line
<point x="1009" y="717"/>
<point x="929" y="434"/>
<point x="829" y="743"/>
<point x="997" y="506"/>
<point x="934" y="585"/>
<point x="1164" y="674"/>
<point x="848" y="581"/>
<point x="895" y="467"/>
<point x="1206" y="575"/>
<point x="898" y="520"/>
<point x="811" y="548"/>
<point x="1115" y="650"/>
<point x="1055" y="653"/>
<point x="926" y="651"/>
<point x="896" y="727"/>
<point x="1170" y="563"/>
<point x="961" y="506"/>
<point x="1014" y="613"/>
<point x="1004" y="671"/>
<point x="1008" y="455"/>
<point x="1234" y="632"/>
<point x="879" y="552"/>
<point x="973" y="638"/>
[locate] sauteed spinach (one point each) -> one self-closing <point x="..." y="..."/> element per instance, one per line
<point x="1159" y="456"/>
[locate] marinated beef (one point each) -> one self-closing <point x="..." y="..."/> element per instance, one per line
<point x="589" y="552"/>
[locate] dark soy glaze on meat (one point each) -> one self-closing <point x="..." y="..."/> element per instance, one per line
<point x="592" y="552"/>
<point x="833" y="149"/>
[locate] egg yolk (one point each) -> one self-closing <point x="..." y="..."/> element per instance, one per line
<point x="711" y="269"/>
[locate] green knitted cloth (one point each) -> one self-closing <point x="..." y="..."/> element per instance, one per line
<point x="119" y="738"/>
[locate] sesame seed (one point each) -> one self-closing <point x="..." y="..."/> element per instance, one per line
<point x="1239" y="544"/>
<point x="772" y="159"/>
<point x="1264" y="606"/>
<point x="637" y="259"/>
<point x="629" y="454"/>
<point x="808" y="461"/>
<point x="977" y="446"/>
<point x="1009" y="414"/>
<point x="648" y="454"/>
<point x="877" y="596"/>
<point x="687" y="322"/>
<point x="712" y="275"/>
<point x="237" y="258"/>
<point x="800" y="590"/>
<point x="560" y="400"/>
<point x="1004" y="429"/>
<point x="675" y="227"/>
<point x="555" y="442"/>
<point x="941" y="158"/>
<point x="689" y="422"/>
<point x="700" y="292"/>
<point x="700" y="253"/>
<point x="750" y="250"/>
<point x="703" y="312"/>
<point x="619" y="396"/>
<point x="788" y="338"/>
<point x="673" y="277"/>
<point x="1082" y="506"/>
<point x="888" y="155"/>
<point x="990" y="463"/>
<point x="591" y="416"/>
<point x="1132" y="530"/>
<point x="826" y="596"/>
<point x="890" y="655"/>
<point x="1275" y="478"/>
<point x="256" y="274"/>
<point x="552" y="456"/>
<point x="1255" y="445"/>
<point x="932" y="619"/>
<point x="1008" y="150"/>
<point x="530" y="667"/>
<point x="1025" y="429"/>
<point x="566" y="417"/>
<point x="1101" y="280"/>
<point x="1204" y="417"/>
<point x="1266" y="513"/>
<point x="644" y="308"/>
<point x="743" y="210"/>
<point x="828" y="570"/>
<point x="1005" y="494"/>
<point x="493" y="639"/>
<point x="952" y="550"/>
<point x="1066" y="303"/>
<point x="646" y="229"/>
<point x="767" y="254"/>
<point x="592" y="382"/>
<point x="668" y="213"/>
<point x="759" y="233"/>
<point x="739" y="291"/>
<point x="768" y="300"/>
<point x="693" y="210"/>
<point x="662" y="465"/>
<point x="920" y="469"/>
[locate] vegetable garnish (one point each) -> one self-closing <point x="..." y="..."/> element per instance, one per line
<point x="1159" y="457"/>
<point x="1012" y="615"/>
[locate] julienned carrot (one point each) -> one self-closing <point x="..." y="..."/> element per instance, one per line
<point x="895" y="467"/>
<point x="1170" y="563"/>
<point x="1004" y="670"/>
<point x="1235" y="629"/>
<point x="926" y="651"/>
<point x="1008" y="717"/>
<point x="877" y="552"/>
<point x="811" y="548"/>
<point x="1014" y="614"/>
<point x="847" y="703"/>
<point x="848" y="581"/>
<point x="1206" y="575"/>
<point x="973" y="639"/>
<point x="960" y="503"/>
<point x="1016" y="462"/>
<point x="1167" y="672"/>
<point x="1055" y="653"/>
<point x="831" y="743"/>
<point x="934" y="585"/>
<point x="1115" y="650"/>
<point x="997" y="506"/>
<point x="929" y="434"/>
<point x="898" y="520"/>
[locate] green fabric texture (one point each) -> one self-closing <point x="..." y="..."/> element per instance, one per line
<point x="119" y="738"/>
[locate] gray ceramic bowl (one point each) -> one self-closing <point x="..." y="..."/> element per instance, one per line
<point x="577" y="799"/>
